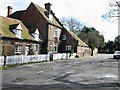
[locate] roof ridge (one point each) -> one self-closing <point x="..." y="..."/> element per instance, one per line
<point x="10" y="18"/>
<point x="77" y="38"/>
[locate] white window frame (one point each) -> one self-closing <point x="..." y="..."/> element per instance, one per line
<point x="18" y="33"/>
<point x="51" y="48"/>
<point x="35" y="47"/>
<point x="55" y="32"/>
<point x="27" y="47"/>
<point x="68" y="47"/>
<point x="50" y="17"/>
<point x="36" y="36"/>
<point x="18" y="49"/>
<point x="55" y="47"/>
<point x="64" y="37"/>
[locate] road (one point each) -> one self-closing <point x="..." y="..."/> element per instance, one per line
<point x="88" y="73"/>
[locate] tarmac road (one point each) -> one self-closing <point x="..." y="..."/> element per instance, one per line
<point x="89" y="73"/>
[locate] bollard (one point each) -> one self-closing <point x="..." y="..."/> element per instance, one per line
<point x="51" y="56"/>
<point x="5" y="56"/>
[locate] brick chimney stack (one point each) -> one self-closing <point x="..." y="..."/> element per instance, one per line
<point x="9" y="10"/>
<point x="48" y="6"/>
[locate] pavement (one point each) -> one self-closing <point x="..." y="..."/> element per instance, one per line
<point x="87" y="73"/>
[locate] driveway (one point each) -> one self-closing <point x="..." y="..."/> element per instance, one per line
<point x="88" y="73"/>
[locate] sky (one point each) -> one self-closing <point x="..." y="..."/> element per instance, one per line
<point x="87" y="11"/>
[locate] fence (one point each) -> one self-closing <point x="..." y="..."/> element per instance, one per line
<point x="20" y="59"/>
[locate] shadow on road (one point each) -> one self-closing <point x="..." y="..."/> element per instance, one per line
<point x="68" y="86"/>
<point x="64" y="85"/>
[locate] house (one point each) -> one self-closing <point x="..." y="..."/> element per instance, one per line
<point x="55" y="38"/>
<point x="15" y="38"/>
<point x="73" y="44"/>
<point x="43" y="19"/>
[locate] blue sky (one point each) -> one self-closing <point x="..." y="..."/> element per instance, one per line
<point x="88" y="11"/>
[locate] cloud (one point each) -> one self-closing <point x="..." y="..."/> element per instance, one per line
<point x="88" y="11"/>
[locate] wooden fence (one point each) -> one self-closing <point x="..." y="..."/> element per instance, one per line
<point x="20" y="59"/>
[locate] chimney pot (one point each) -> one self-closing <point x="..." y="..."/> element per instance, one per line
<point x="9" y="10"/>
<point x="48" y="6"/>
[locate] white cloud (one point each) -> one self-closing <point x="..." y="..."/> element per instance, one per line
<point x="88" y="11"/>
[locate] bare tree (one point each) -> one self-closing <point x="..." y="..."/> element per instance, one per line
<point x="114" y="10"/>
<point x="72" y="24"/>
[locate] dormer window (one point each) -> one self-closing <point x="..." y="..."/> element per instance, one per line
<point x="36" y="34"/>
<point x="18" y="33"/>
<point x="18" y="30"/>
<point x="55" y="32"/>
<point x="50" y="17"/>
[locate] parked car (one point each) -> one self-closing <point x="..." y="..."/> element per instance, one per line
<point x="116" y="55"/>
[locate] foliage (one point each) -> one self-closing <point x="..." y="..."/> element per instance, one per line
<point x="111" y="46"/>
<point x="113" y="12"/>
<point x="72" y="23"/>
<point x="117" y="42"/>
<point x="8" y="49"/>
<point x="92" y="37"/>
<point x="31" y="51"/>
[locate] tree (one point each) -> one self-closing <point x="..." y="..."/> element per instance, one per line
<point x="114" y="10"/>
<point x="111" y="46"/>
<point x="117" y="42"/>
<point x="92" y="37"/>
<point x="72" y="24"/>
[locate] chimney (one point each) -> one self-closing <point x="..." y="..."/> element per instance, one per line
<point x="48" y="6"/>
<point x="9" y="10"/>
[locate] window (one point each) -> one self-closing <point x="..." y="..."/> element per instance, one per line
<point x="55" y="48"/>
<point x="18" y="49"/>
<point x="27" y="48"/>
<point x="36" y="36"/>
<point x="64" y="37"/>
<point x="68" y="47"/>
<point x="55" y="32"/>
<point x="50" y="17"/>
<point x="35" y="47"/>
<point x="51" y="48"/>
<point x="18" y="33"/>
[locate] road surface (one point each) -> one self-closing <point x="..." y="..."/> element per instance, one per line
<point x="88" y="73"/>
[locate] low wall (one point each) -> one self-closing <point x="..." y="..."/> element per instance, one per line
<point x="20" y="59"/>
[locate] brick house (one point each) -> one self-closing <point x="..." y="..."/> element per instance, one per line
<point x="43" y="19"/>
<point x="55" y="38"/>
<point x="15" y="38"/>
<point x="73" y="44"/>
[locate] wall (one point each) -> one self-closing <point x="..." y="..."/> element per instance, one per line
<point x="32" y="18"/>
<point x="8" y="46"/>
<point x="51" y="38"/>
<point x="83" y="51"/>
<point x="69" y="41"/>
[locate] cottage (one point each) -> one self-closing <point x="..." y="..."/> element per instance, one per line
<point x="43" y="19"/>
<point x="55" y="38"/>
<point x="73" y="44"/>
<point x="15" y="38"/>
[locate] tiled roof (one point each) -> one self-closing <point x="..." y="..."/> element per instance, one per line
<point x="43" y="11"/>
<point x="80" y="42"/>
<point x="17" y="14"/>
<point x="8" y="24"/>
